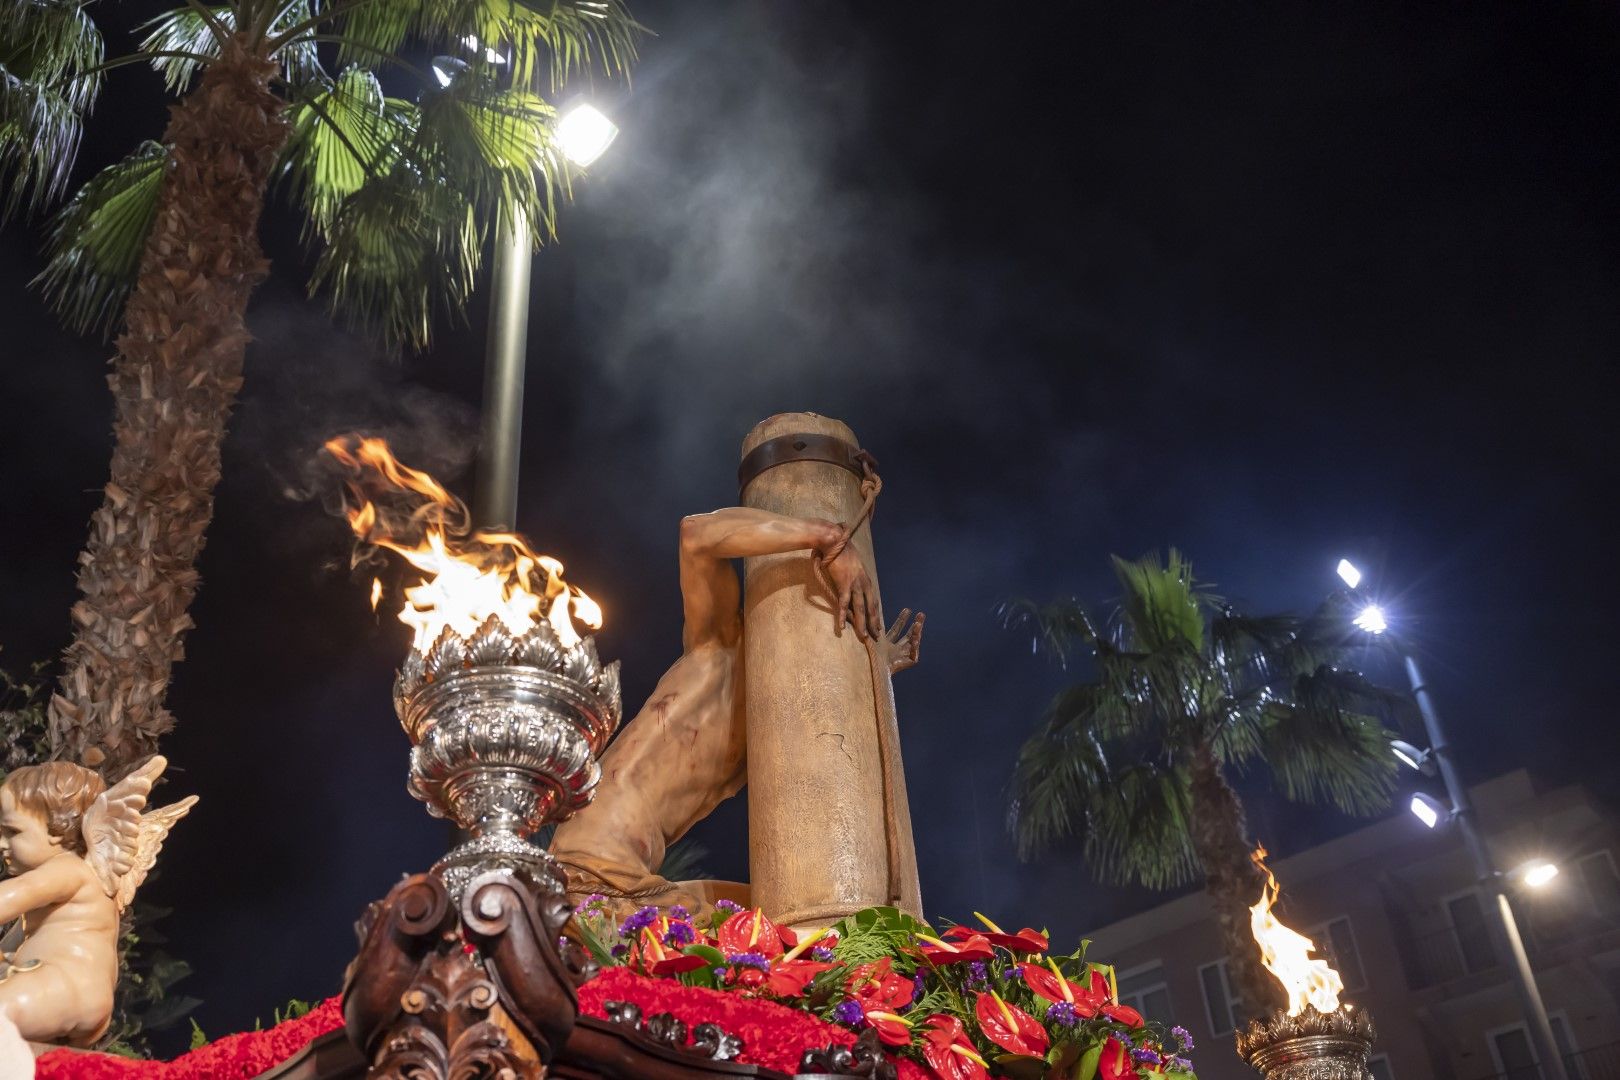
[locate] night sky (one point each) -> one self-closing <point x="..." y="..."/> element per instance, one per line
<point x="1272" y="283"/>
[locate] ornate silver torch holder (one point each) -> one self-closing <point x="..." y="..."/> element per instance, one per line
<point x="505" y="731"/>
<point x="1310" y="1046"/>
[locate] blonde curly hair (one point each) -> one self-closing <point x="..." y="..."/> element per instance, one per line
<point x="58" y="791"/>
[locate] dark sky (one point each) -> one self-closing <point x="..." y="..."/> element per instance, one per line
<point x="1272" y="283"/>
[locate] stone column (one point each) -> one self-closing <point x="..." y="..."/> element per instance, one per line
<point x="822" y="739"/>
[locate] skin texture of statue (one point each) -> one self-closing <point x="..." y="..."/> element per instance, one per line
<point x="75" y="851"/>
<point x="686" y="751"/>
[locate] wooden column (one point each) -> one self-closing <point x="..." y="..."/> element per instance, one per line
<point x="822" y="741"/>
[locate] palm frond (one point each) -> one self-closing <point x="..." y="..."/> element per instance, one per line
<point x="568" y="37"/>
<point x="1056" y="627"/>
<point x="182" y="42"/>
<point x="343" y="131"/>
<point x="683" y="860"/>
<point x="399" y="249"/>
<point x="1162" y="603"/>
<point x="1323" y="746"/>
<point x="1139" y="830"/>
<point x="49" y="52"/>
<point x="95" y="244"/>
<point x="1060" y="770"/>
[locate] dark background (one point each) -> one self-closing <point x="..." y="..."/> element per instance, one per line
<point x="1270" y="282"/>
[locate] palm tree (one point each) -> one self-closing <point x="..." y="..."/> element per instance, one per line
<point x="399" y="196"/>
<point x="1136" y="761"/>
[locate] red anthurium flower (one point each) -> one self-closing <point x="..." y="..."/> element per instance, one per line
<point x="892" y="1029"/>
<point x="1124" y="1014"/>
<point x="656" y="958"/>
<point x="940" y="953"/>
<point x="1116" y="1063"/>
<point x="949" y="1053"/>
<point x="750" y="932"/>
<point x="1052" y="986"/>
<point x="788" y="978"/>
<point x="875" y="986"/>
<point x="1025" y="941"/>
<point x="1010" y="1027"/>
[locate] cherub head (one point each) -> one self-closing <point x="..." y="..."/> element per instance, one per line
<point x="41" y="809"/>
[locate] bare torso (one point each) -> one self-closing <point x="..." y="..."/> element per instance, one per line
<point x="74" y="943"/>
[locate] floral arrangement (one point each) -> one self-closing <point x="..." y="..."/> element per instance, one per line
<point x="967" y="1003"/>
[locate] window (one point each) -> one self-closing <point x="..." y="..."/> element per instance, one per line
<point x="1515" y="1053"/>
<point x="1596" y="871"/>
<point x="1145" y="990"/>
<point x="1336" y="943"/>
<point x="1221" y="999"/>
<point x="1378" y="1066"/>
<point x="1472" y="934"/>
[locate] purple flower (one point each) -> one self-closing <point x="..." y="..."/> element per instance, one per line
<point x="1016" y="971"/>
<point x="1145" y="1056"/>
<point x="638" y="922"/>
<point x="619" y="949"/>
<point x="728" y="905"/>
<point x="593" y="904"/>
<point x="849" y="1012"/>
<point x="1182" y="1036"/>
<point x="1181" y="1063"/>
<point x="978" y="974"/>
<point x="822" y="953"/>
<point x="1062" y="1012"/>
<point x="749" y="959"/>
<point x="680" y="933"/>
<point x="679" y="912"/>
<point x="917" y="988"/>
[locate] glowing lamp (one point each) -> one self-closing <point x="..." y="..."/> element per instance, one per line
<point x="1348" y="572"/>
<point x="1410" y="755"/>
<point x="584" y="133"/>
<point x="1538" y="874"/>
<point x="1372" y="619"/>
<point x="1428" y="809"/>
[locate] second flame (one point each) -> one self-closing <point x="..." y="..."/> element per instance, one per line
<point x="467" y="578"/>
<point x="1287" y="953"/>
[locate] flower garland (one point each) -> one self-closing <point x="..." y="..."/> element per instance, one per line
<point x="965" y="1005"/>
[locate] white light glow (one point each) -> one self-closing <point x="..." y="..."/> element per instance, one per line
<point x="1349" y="573"/>
<point x="1411" y="755"/>
<point x="442" y="75"/>
<point x="1426" y="809"/>
<point x="1538" y="874"/>
<point x="491" y="55"/>
<point x="584" y="133"/>
<point x="1372" y="619"/>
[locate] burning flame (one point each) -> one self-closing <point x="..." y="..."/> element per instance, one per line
<point x="1287" y="953"/>
<point x="468" y="576"/>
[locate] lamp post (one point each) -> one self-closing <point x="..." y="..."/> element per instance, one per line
<point x="582" y="134"/>
<point x="1372" y="620"/>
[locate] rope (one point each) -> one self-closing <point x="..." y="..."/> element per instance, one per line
<point x="882" y="705"/>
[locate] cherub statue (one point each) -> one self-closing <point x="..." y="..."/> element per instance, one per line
<point x="76" y="851"/>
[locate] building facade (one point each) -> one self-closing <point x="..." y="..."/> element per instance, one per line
<point x="1396" y="909"/>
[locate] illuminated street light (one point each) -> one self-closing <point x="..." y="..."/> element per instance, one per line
<point x="1537" y="874"/>
<point x="1412" y="756"/>
<point x="494" y="56"/>
<point x="1429" y="809"/>
<point x="584" y="133"/>
<point x="1371" y="619"/>
<point x="1347" y="570"/>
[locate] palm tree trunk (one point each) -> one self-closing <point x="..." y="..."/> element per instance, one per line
<point x="1221" y="841"/>
<point x="175" y="378"/>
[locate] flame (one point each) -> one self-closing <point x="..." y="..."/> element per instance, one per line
<point x="1287" y="954"/>
<point x="467" y="576"/>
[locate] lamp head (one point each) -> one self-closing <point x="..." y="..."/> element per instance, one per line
<point x="1413" y="757"/>
<point x="583" y="133"/>
<point x="1538" y="873"/>
<point x="1428" y="809"/>
<point x="1348" y="573"/>
<point x="1371" y="619"/>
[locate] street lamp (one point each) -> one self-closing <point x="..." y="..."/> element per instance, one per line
<point x="1412" y="757"/>
<point x="582" y="134"/>
<point x="1537" y="874"/>
<point x="1371" y="619"/>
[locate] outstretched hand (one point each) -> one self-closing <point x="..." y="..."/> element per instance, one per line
<point x="902" y="644"/>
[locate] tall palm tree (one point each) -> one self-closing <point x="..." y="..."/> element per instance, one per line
<point x="398" y="194"/>
<point x="1136" y="761"/>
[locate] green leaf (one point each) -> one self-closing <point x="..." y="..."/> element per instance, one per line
<point x="198" y="1038"/>
<point x="95" y="245"/>
<point x="600" y="952"/>
<point x="343" y="131"/>
<point x="1021" y="1066"/>
<point x="1086" y="1067"/>
<point x="49" y="53"/>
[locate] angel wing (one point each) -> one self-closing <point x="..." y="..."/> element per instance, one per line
<point x="121" y="843"/>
